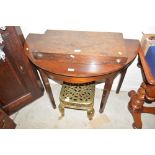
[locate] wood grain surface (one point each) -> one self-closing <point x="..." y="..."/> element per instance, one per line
<point x="82" y="65"/>
<point x="68" y="42"/>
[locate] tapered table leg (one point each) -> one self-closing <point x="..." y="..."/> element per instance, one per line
<point x="47" y="87"/>
<point x="121" y="80"/>
<point x="106" y="92"/>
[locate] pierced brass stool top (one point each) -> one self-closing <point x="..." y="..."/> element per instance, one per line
<point x="77" y="96"/>
<point x="78" y="93"/>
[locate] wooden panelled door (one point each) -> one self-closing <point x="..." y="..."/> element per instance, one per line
<point x="19" y="81"/>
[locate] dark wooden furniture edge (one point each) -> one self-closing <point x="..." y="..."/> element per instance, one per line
<point x="5" y="121"/>
<point x="35" y="87"/>
<point x="150" y="79"/>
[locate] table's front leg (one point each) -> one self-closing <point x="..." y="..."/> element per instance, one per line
<point x="106" y="92"/>
<point x="47" y="87"/>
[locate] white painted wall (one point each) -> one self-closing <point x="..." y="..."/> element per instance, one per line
<point x="131" y="17"/>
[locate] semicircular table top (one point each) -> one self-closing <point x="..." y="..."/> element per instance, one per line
<point x="80" y="53"/>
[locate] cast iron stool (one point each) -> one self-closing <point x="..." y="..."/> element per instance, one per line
<point x="77" y="96"/>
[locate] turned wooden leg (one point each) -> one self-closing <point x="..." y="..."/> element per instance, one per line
<point x="106" y="92"/>
<point x="137" y="121"/>
<point x="121" y="80"/>
<point x="47" y="87"/>
<point x="137" y="124"/>
<point x="135" y="105"/>
<point x="90" y="113"/>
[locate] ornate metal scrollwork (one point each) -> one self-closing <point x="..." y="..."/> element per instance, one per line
<point x="3" y="28"/>
<point x="1" y="39"/>
<point x="2" y="54"/>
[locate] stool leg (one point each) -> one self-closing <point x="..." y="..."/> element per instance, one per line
<point x="121" y="80"/>
<point x="47" y="87"/>
<point x="62" y="110"/>
<point x="90" y="113"/>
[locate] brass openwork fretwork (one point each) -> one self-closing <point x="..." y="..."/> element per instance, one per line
<point x="77" y="96"/>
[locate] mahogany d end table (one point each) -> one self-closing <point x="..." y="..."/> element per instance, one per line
<point x="81" y="57"/>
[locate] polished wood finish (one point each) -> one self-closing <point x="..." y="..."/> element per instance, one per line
<point x="88" y="53"/>
<point x="19" y="81"/>
<point x="5" y="121"/>
<point x="47" y="87"/>
<point x="82" y="59"/>
<point x="123" y="72"/>
<point x="106" y="91"/>
<point x="97" y="60"/>
<point x="146" y="93"/>
<point x="69" y="42"/>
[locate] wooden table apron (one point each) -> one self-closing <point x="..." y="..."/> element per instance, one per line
<point x="107" y="76"/>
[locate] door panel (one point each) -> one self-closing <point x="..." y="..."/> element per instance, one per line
<point x="7" y="83"/>
<point x="19" y="80"/>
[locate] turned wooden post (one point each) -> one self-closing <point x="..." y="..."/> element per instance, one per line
<point x="136" y="105"/>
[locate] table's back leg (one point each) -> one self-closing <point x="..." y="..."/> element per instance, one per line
<point x="106" y="92"/>
<point x="121" y="80"/>
<point x="47" y="87"/>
